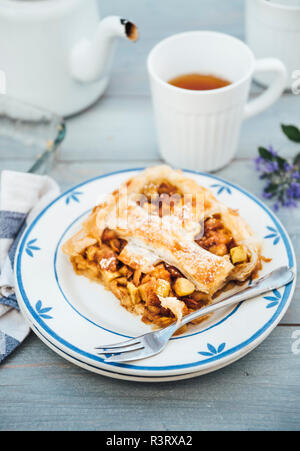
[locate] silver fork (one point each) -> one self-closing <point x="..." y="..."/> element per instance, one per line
<point x="153" y="343"/>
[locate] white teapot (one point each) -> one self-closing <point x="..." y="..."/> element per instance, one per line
<point x="56" y="54"/>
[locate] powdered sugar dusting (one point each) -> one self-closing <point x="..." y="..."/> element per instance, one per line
<point x="169" y="237"/>
<point x="105" y="263"/>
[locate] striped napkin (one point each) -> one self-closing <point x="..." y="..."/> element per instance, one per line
<point x="22" y="197"/>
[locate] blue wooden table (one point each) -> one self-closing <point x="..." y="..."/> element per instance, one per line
<point x="41" y="391"/>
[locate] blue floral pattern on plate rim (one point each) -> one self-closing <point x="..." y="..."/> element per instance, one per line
<point x="212" y="350"/>
<point x="31" y="247"/>
<point x="274" y="234"/>
<point x="273" y="300"/>
<point x="221" y="188"/>
<point x="73" y="196"/>
<point x="43" y="311"/>
<point x="276" y="316"/>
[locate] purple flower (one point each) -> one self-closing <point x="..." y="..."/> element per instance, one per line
<point x="293" y="191"/>
<point x="258" y="162"/>
<point x="282" y="176"/>
<point x="267" y="195"/>
<point x="296" y="175"/>
<point x="272" y="151"/>
<point x="289" y="203"/>
<point x="265" y="166"/>
<point x="287" y="167"/>
<point x="272" y="166"/>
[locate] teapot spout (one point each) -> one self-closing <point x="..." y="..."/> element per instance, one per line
<point x="91" y="59"/>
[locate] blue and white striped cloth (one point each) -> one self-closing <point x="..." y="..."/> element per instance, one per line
<point x="22" y="197"/>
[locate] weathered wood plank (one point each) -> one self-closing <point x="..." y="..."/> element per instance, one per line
<point x="122" y="128"/>
<point x="41" y="391"/>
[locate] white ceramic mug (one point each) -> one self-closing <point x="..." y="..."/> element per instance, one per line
<point x="200" y="129"/>
<point x="57" y="54"/>
<point x="273" y="29"/>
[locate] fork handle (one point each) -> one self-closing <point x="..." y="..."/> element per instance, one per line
<point x="276" y="279"/>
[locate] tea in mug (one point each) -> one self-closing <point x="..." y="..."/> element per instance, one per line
<point x="199" y="82"/>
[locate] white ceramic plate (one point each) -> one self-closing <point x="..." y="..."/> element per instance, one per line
<point x="73" y="315"/>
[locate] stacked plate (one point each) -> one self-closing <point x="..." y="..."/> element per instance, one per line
<point x="73" y="316"/>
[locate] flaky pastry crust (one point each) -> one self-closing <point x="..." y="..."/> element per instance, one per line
<point x="193" y="233"/>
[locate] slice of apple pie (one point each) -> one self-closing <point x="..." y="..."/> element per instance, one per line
<point x="164" y="245"/>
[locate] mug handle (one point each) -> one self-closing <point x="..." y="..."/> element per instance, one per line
<point x="273" y="92"/>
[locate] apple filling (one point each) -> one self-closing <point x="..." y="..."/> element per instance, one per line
<point x="138" y="292"/>
<point x="150" y="294"/>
